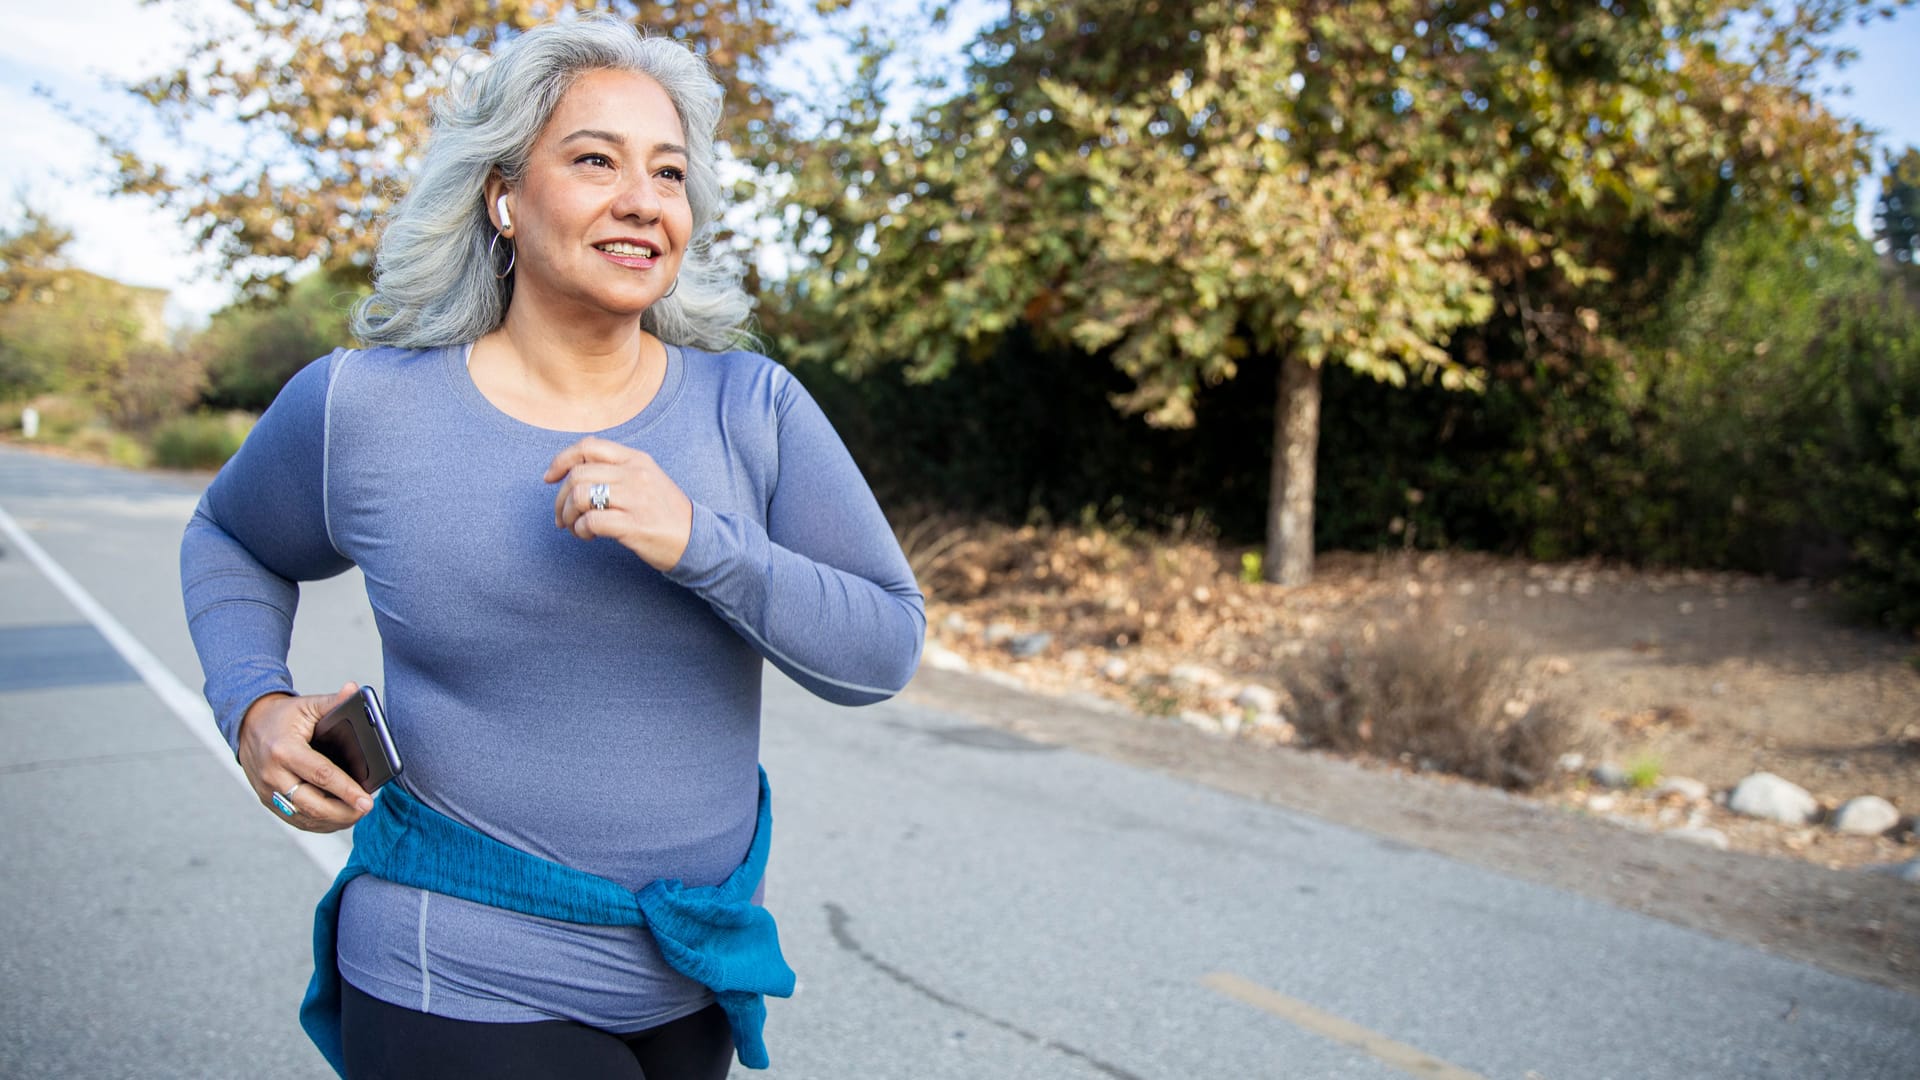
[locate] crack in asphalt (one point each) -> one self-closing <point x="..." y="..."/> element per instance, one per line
<point x="837" y="922"/>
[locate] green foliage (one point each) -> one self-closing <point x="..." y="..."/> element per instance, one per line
<point x="32" y="254"/>
<point x="1250" y="567"/>
<point x="1644" y="771"/>
<point x="1776" y="426"/>
<point x="1412" y="190"/>
<point x="200" y="440"/>
<point x="68" y="331"/>
<point x="1896" y="214"/>
<point x="252" y="348"/>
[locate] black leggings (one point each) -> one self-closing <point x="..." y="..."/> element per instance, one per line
<point x="389" y="1042"/>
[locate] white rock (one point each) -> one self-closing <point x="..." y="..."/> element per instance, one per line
<point x="1764" y="795"/>
<point x="1114" y="669"/>
<point x="1600" y="804"/>
<point x="1206" y="722"/>
<point x="1276" y="728"/>
<point x="1684" y="786"/>
<point x="1609" y="775"/>
<point x="939" y="657"/>
<point x="1231" y="723"/>
<point x="955" y="623"/>
<point x="1712" y="838"/>
<point x="1868" y="815"/>
<point x="1028" y="646"/>
<point x="1258" y="698"/>
<point x="1193" y="677"/>
<point x="1629" y="822"/>
<point x="1572" y="763"/>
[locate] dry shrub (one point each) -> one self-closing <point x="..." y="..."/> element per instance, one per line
<point x="1094" y="586"/>
<point x="1422" y="694"/>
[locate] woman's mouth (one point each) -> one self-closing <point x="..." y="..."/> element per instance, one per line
<point x="639" y="256"/>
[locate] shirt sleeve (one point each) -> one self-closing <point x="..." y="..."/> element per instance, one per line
<point x="260" y="528"/>
<point x="823" y="591"/>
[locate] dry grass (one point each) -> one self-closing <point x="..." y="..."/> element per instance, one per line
<point x="1420" y="693"/>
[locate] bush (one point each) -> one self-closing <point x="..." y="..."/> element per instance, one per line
<point x="106" y="444"/>
<point x="61" y="418"/>
<point x="154" y="384"/>
<point x="202" y="440"/>
<point x="1419" y="693"/>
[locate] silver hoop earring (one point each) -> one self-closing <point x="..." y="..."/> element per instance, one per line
<point x="492" y="258"/>
<point x="670" y="288"/>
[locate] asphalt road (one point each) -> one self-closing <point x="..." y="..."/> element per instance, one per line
<point x="959" y="902"/>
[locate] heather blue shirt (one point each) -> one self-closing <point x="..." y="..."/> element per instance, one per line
<point x="561" y="696"/>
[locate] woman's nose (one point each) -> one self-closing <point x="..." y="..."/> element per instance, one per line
<point x="638" y="200"/>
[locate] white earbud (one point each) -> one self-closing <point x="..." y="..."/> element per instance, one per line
<point x="506" y="219"/>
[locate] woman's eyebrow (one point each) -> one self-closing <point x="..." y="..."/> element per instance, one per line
<point x="621" y="141"/>
<point x="594" y="133"/>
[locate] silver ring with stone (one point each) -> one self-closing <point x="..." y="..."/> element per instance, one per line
<point x="283" y="800"/>
<point x="597" y="495"/>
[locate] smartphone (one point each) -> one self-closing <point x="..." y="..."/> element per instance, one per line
<point x="355" y="737"/>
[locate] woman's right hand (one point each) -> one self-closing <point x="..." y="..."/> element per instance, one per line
<point x="276" y="752"/>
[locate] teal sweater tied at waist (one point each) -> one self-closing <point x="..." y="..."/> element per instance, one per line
<point x="713" y="934"/>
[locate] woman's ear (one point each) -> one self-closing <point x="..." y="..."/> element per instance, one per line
<point x="498" y="203"/>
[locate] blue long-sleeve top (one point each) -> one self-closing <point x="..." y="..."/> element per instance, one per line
<point x="558" y="695"/>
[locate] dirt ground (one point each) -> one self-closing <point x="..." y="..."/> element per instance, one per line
<point x="1701" y="675"/>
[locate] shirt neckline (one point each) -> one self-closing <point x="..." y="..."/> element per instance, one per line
<point x="454" y="360"/>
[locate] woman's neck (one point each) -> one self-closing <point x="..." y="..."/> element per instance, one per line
<point x="585" y="376"/>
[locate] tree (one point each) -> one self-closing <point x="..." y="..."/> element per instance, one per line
<point x="333" y="97"/>
<point x="32" y="261"/>
<point x="1416" y="189"/>
<point x="252" y="347"/>
<point x="1896" y="215"/>
<point x="66" y="330"/>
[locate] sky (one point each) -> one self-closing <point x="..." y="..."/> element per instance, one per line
<point x="71" y="49"/>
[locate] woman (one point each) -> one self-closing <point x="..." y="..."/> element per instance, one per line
<point x="572" y="624"/>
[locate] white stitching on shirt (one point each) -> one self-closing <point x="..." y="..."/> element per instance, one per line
<point x="426" y="976"/>
<point x="767" y="649"/>
<point x="326" y="448"/>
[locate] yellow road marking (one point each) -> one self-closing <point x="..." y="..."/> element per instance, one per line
<point x="1397" y="1054"/>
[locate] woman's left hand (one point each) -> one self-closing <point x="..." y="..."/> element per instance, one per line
<point x="645" y="510"/>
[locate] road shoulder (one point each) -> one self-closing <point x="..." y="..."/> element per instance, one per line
<point x="1855" y="923"/>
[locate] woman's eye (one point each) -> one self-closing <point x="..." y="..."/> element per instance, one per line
<point x="674" y="173"/>
<point x="593" y="159"/>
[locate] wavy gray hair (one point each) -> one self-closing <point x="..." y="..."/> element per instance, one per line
<point x="433" y="281"/>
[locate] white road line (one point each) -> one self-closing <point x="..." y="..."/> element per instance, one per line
<point x="1397" y="1054"/>
<point x="328" y="852"/>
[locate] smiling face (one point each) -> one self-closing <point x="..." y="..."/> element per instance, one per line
<point x="600" y="217"/>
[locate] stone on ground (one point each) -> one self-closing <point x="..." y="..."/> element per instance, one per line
<point x="1764" y="795"/>
<point x="1609" y="775"/>
<point x="1685" y="787"/>
<point x="1868" y="815"/>
<point x="1027" y="646"/>
<point x="1696" y="834"/>
<point x="1258" y="698"/>
<point x="1193" y="677"/>
<point x="941" y="658"/>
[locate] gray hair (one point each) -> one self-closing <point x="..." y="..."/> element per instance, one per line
<point x="434" y="282"/>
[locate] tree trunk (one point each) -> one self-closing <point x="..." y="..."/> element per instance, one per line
<point x="1296" y="439"/>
